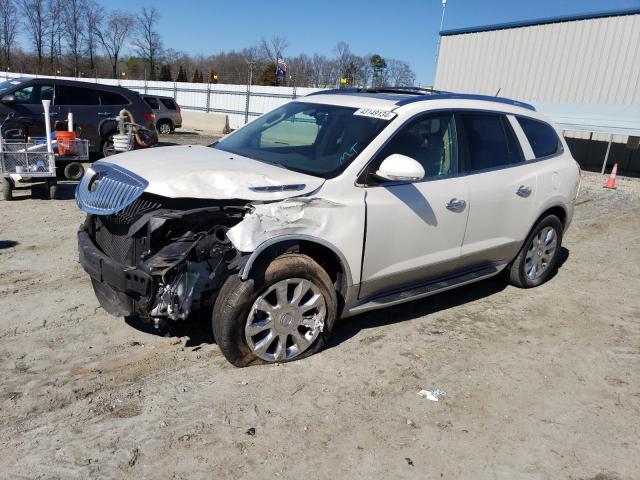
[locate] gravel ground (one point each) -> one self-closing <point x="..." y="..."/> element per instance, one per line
<point x="540" y="383"/>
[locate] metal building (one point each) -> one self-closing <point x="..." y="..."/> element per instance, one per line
<point x="583" y="71"/>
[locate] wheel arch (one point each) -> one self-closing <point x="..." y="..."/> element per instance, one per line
<point x="556" y="209"/>
<point x="323" y="252"/>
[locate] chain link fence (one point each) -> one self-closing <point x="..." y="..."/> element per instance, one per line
<point x="241" y="103"/>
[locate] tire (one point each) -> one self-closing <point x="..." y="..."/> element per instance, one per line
<point x="7" y="189"/>
<point x="521" y="273"/>
<point x="73" y="171"/>
<point x="107" y="146"/>
<point x="164" y="127"/>
<point x="234" y="310"/>
<point x="52" y="190"/>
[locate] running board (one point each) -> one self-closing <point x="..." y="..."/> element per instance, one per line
<point x="425" y="290"/>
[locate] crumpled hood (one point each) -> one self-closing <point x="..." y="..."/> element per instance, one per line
<point x="193" y="171"/>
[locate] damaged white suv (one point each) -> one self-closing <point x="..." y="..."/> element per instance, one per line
<point x="332" y="205"/>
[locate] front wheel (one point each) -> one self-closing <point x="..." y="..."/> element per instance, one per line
<point x="538" y="257"/>
<point x="285" y="313"/>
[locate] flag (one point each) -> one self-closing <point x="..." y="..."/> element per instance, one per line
<point x="281" y="68"/>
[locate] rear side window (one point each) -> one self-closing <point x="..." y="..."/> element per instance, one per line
<point x="152" y="102"/>
<point x="112" y="98"/>
<point x="169" y="103"/>
<point x="67" y="95"/>
<point x="490" y="142"/>
<point x="542" y="137"/>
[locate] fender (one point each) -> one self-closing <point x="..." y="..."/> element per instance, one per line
<point x="246" y="269"/>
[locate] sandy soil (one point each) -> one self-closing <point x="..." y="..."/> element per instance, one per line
<point x="543" y="383"/>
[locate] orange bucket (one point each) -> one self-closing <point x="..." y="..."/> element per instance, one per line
<point x="66" y="144"/>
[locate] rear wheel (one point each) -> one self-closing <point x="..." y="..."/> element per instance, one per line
<point x="538" y="257"/>
<point x="7" y="189"/>
<point x="107" y="146"/>
<point x="284" y="313"/>
<point x="165" y="127"/>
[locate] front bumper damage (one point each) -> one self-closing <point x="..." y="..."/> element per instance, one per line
<point x="159" y="263"/>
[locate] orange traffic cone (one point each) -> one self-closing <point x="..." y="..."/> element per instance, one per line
<point x="611" y="183"/>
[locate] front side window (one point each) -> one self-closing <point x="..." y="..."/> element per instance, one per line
<point x="316" y="139"/>
<point x="542" y="137"/>
<point x="489" y="140"/>
<point x="431" y="141"/>
<point x="76" y="96"/>
<point x="34" y="94"/>
<point x="152" y="102"/>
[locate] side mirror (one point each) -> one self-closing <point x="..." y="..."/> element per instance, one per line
<point x="9" y="99"/>
<point x="400" y="168"/>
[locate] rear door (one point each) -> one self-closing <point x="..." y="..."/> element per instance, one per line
<point x="502" y="189"/>
<point x="85" y="105"/>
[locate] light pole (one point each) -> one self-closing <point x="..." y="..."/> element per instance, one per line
<point x="444" y="8"/>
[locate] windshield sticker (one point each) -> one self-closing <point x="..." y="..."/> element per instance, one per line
<point x="375" y="113"/>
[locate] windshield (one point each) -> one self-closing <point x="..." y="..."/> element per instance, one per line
<point x="8" y="84"/>
<point x="315" y="139"/>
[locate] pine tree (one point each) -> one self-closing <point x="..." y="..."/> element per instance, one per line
<point x="165" y="74"/>
<point x="197" y="77"/>
<point x="182" y="75"/>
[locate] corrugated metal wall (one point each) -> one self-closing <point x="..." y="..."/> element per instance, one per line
<point x="591" y="61"/>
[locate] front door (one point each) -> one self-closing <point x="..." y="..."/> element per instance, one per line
<point x="28" y="119"/>
<point x="415" y="230"/>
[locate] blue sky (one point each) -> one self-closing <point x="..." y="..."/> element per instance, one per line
<point x="403" y="29"/>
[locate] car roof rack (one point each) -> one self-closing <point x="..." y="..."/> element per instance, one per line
<point x="467" y="96"/>
<point x="423" y="94"/>
<point x="397" y="90"/>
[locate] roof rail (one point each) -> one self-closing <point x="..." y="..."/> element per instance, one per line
<point x="399" y="90"/>
<point x="466" y="96"/>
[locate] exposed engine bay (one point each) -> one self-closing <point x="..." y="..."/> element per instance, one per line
<point x="161" y="257"/>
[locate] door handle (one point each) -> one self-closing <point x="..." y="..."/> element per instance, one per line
<point x="523" y="191"/>
<point x="104" y="114"/>
<point x="456" y="205"/>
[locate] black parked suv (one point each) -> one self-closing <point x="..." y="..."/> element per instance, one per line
<point x="92" y="106"/>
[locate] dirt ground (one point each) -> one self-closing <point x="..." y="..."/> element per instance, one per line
<point x="540" y="384"/>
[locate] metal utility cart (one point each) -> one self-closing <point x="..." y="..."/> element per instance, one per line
<point x="31" y="162"/>
<point x="35" y="160"/>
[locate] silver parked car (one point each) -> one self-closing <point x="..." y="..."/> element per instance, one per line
<point x="167" y="112"/>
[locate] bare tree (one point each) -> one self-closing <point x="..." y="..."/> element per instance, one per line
<point x="93" y="15"/>
<point x="112" y="36"/>
<point x="8" y="29"/>
<point x="273" y="48"/>
<point x="400" y="73"/>
<point x="74" y="30"/>
<point x="147" y="43"/>
<point x="54" y="32"/>
<point x="36" y="23"/>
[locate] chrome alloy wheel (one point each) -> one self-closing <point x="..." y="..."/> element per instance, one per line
<point x="540" y="253"/>
<point x="285" y="320"/>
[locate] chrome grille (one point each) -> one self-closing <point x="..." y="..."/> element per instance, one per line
<point x="107" y="188"/>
